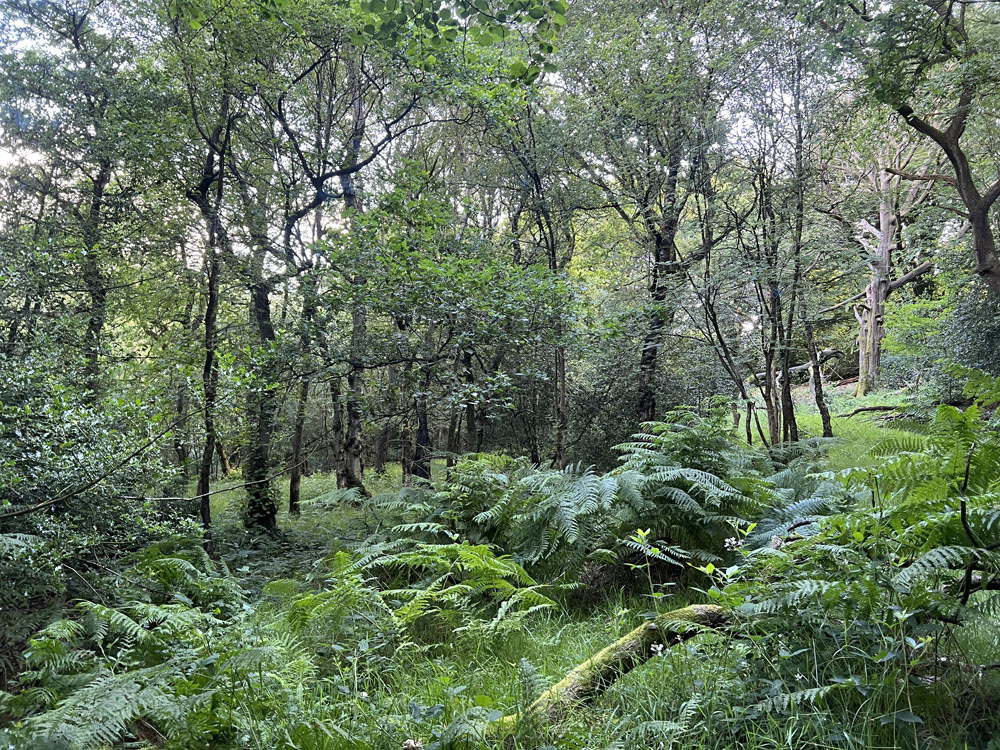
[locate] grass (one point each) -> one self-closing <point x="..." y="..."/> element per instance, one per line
<point x="694" y="696"/>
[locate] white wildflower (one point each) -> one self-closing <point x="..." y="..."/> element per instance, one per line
<point x="656" y="649"/>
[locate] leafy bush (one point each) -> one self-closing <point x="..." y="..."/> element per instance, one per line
<point x="553" y="521"/>
<point x="54" y="447"/>
<point x="877" y="590"/>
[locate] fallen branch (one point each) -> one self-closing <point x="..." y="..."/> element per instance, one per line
<point x="587" y="681"/>
<point x="862" y="409"/>
<point x="825" y="356"/>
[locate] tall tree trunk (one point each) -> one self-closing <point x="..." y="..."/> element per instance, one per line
<point x="977" y="204"/>
<point x="225" y="462"/>
<point x="871" y="329"/>
<point x="816" y="380"/>
<point x="406" y="452"/>
<point x="562" y="417"/>
<point x="353" y="439"/>
<point x="382" y="448"/>
<point x="93" y="279"/>
<point x="421" y="467"/>
<point x="790" y="425"/>
<point x="453" y="437"/>
<point x="353" y="443"/>
<point x="984" y="240"/>
<point x="207" y="195"/>
<point x="210" y="384"/>
<point x="297" y="468"/>
<point x="337" y="434"/>
<point x="262" y="508"/>
<point x="662" y="231"/>
<point x="658" y="321"/>
<point x="305" y="342"/>
<point x="770" y="389"/>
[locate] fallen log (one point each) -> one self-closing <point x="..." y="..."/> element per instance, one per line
<point x="587" y="681"/>
<point x="865" y="409"/>
<point x="824" y="356"/>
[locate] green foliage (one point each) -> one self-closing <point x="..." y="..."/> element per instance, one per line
<point x="896" y="570"/>
<point x="553" y="521"/>
<point x="460" y="586"/>
<point x="53" y="442"/>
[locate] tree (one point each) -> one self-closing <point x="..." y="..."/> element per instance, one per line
<point x="936" y="57"/>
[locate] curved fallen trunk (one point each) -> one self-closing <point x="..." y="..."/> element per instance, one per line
<point x="587" y="681"/>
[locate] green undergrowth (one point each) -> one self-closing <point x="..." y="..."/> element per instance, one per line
<point x="424" y="614"/>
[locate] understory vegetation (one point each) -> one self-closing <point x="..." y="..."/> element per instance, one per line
<point x="862" y="603"/>
<point x="474" y="374"/>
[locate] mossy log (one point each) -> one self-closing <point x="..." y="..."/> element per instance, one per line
<point x="587" y="681"/>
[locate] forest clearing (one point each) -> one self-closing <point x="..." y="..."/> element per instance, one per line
<point x="467" y="374"/>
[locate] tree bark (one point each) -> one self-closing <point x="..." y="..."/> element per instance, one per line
<point x="816" y="380"/>
<point x="353" y="442"/>
<point x="382" y="448"/>
<point x="562" y="416"/>
<point x="977" y="204"/>
<point x="297" y="468"/>
<point x="871" y="317"/>
<point x="298" y="429"/>
<point x="658" y="317"/>
<point x="421" y="467"/>
<point x="587" y="681"/>
<point x="93" y="278"/>
<point x="337" y="434"/>
<point x="210" y="385"/>
<point x="262" y="508"/>
<point x="225" y="463"/>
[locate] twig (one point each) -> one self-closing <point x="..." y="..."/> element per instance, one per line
<point x="68" y="494"/>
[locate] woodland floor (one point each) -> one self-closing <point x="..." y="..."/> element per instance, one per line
<point x="658" y="705"/>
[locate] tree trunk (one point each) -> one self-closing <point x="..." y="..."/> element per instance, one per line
<point x="771" y="402"/>
<point x="296" y="471"/>
<point x="453" y="437"/>
<point x="789" y="424"/>
<point x="337" y="434"/>
<point x="976" y="203"/>
<point x="297" y="468"/>
<point x="587" y="681"/>
<point x="422" y="449"/>
<point x="562" y="417"/>
<point x="382" y="448"/>
<point x="659" y="318"/>
<point x="662" y="230"/>
<point x="210" y="384"/>
<point x="262" y="509"/>
<point x="816" y="380"/>
<point x="871" y="330"/>
<point x="93" y="279"/>
<point x="406" y="452"/>
<point x="353" y="442"/>
<point x="984" y="240"/>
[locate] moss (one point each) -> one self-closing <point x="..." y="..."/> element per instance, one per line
<point x="588" y="680"/>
